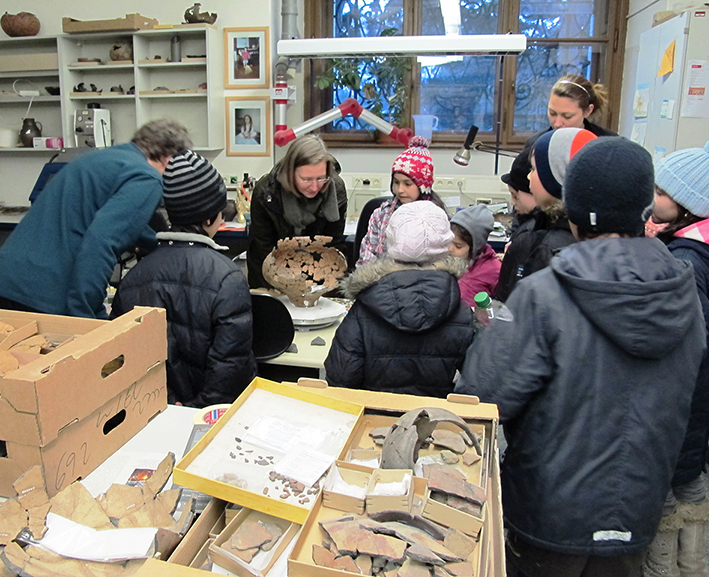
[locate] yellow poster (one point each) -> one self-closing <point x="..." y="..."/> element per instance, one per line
<point x="668" y="60"/>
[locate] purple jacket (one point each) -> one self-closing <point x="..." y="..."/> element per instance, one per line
<point x="481" y="276"/>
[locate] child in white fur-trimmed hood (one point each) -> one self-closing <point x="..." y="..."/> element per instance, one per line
<point x="408" y="330"/>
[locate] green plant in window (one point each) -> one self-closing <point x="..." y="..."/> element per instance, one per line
<point x="381" y="84"/>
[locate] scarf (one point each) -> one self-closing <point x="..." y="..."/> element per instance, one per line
<point x="697" y="231"/>
<point x="300" y="211"/>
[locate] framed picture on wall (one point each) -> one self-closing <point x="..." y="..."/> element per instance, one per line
<point x="248" y="126"/>
<point x="246" y="58"/>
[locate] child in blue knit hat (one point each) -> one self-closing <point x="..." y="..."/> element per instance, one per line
<point x="682" y="205"/>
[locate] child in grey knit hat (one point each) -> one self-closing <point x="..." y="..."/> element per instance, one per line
<point x="471" y="227"/>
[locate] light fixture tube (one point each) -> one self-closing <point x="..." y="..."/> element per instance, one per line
<point x="362" y="47"/>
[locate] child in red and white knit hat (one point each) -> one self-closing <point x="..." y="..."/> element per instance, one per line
<point x="411" y="180"/>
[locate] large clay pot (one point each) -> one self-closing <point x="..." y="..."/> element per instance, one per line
<point x="21" y="24"/>
<point x="30" y="129"/>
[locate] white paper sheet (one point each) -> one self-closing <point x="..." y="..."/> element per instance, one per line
<point x="71" y="539"/>
<point x="304" y="465"/>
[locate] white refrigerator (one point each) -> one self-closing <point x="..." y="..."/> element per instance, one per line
<point x="671" y="103"/>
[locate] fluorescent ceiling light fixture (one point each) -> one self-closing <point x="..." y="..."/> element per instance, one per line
<point x="362" y="47"/>
<point x="437" y="60"/>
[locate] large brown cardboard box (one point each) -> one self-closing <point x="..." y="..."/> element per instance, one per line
<point x="128" y="22"/>
<point x="70" y="409"/>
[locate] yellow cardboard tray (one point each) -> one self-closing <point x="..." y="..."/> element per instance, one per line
<point x="258" y="501"/>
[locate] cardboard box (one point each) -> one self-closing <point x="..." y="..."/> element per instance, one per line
<point x="450" y="517"/>
<point x="254" y="498"/>
<point x="264" y="560"/>
<point x="72" y="408"/>
<point x="352" y="475"/>
<point x="30" y="61"/>
<point x="377" y="503"/>
<point x="363" y="456"/>
<point x="129" y="22"/>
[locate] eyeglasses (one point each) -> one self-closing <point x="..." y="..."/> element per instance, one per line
<point x="309" y="181"/>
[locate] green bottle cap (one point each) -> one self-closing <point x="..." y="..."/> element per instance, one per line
<point x="482" y="300"/>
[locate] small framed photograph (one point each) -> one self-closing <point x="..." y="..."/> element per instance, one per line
<point x="248" y="126"/>
<point x="246" y="58"/>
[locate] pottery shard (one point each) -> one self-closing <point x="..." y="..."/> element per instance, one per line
<point x="37" y="519"/>
<point x="121" y="500"/>
<point x="77" y="504"/>
<point x="470" y="458"/>
<point x="449" y="440"/>
<point x="246" y="555"/>
<point x="275" y="532"/>
<point x="440" y="480"/>
<point x="459" y="543"/>
<point x="412" y="536"/>
<point x="8" y="362"/>
<point x="364" y="564"/>
<point x="412" y="568"/>
<point x="379" y="432"/>
<point x="322" y="557"/>
<point x="158" y="479"/>
<point x="449" y="457"/>
<point x="33" y="344"/>
<point x="462" y="569"/>
<point x="351" y="539"/>
<point x="30" y="488"/>
<point x="346" y="563"/>
<point x="13" y="518"/>
<point x="249" y="535"/>
<point x="466" y="506"/>
<point x="422" y="554"/>
<point x="6" y="328"/>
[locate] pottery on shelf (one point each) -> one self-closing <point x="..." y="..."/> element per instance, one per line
<point x="30" y="130"/>
<point x="194" y="16"/>
<point x="21" y="24"/>
<point x="122" y="50"/>
<point x="304" y="269"/>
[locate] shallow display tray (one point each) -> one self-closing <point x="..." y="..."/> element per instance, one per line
<point x="323" y="314"/>
<point x="297" y="412"/>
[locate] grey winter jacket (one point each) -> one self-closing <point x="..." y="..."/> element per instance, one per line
<point x="407" y="331"/>
<point x="593" y="373"/>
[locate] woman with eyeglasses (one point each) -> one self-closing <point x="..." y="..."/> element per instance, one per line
<point x="303" y="195"/>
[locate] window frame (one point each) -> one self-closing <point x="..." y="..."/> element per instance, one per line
<point x="318" y="22"/>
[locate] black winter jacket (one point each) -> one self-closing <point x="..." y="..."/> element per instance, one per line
<point x="593" y="374"/>
<point x="268" y="225"/>
<point x="209" y="324"/>
<point x="693" y="457"/>
<point x="407" y="331"/>
<point x="532" y="247"/>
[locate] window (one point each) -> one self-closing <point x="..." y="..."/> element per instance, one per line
<point x="506" y="97"/>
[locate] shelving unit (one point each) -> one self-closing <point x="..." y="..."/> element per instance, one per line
<point x="187" y="101"/>
<point x="18" y="57"/>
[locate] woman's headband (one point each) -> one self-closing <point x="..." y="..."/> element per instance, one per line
<point x="575" y="84"/>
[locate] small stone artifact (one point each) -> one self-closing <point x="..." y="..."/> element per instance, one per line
<point x="194" y="16"/>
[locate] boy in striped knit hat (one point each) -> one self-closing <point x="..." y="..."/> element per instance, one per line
<point x="210" y="358"/>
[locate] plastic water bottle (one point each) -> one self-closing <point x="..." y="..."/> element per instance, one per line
<point x="484" y="311"/>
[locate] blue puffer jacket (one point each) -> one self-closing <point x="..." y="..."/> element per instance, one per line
<point x="693" y="458"/>
<point x="209" y="323"/>
<point x="593" y="374"/>
<point x="407" y="331"/>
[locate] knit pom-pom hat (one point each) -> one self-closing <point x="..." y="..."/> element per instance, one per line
<point x="684" y="176"/>
<point x="418" y="232"/>
<point x="193" y="190"/>
<point x="552" y="153"/>
<point x="416" y="163"/>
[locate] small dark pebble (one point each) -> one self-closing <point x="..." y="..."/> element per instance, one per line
<point x="237" y="439"/>
<point x="238" y="447"/>
<point x="265" y="490"/>
<point x="246" y="460"/>
<point x="232" y="455"/>
<point x="285" y="496"/>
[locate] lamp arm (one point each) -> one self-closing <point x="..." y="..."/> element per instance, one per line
<point x="349" y="106"/>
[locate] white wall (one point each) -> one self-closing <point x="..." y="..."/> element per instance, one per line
<point x="18" y="171"/>
<point x="640" y="14"/>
